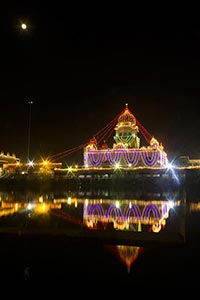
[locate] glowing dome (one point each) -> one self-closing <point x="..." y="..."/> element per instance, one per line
<point x="127" y="118"/>
<point x="126" y="131"/>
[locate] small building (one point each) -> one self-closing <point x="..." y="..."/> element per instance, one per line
<point x="7" y="159"/>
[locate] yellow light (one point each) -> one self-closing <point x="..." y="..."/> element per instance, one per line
<point x="69" y="169"/>
<point x="42" y="208"/>
<point x="117" y="166"/>
<point x="40" y="199"/>
<point x="69" y="200"/>
<point x="117" y="204"/>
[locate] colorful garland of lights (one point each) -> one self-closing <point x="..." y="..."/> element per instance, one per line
<point x="126" y="152"/>
<point x="125" y="158"/>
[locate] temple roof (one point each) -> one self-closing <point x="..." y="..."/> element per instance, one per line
<point x="127" y="116"/>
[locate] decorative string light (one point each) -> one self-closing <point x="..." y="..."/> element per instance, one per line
<point x="126" y="150"/>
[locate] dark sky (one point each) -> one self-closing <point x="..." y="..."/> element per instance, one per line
<point x="81" y="67"/>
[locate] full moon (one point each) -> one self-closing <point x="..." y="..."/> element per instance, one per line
<point x="23" y="26"/>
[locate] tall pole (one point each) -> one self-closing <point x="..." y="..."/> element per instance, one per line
<point x="29" y="131"/>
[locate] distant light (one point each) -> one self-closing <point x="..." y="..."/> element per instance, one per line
<point x="171" y="204"/>
<point x="45" y="162"/>
<point x="69" y="200"/>
<point x="41" y="199"/>
<point x="117" y="204"/>
<point x="30" y="163"/>
<point x="117" y="165"/>
<point x="69" y="169"/>
<point x="170" y="166"/>
<point x="30" y="206"/>
<point x="23" y="26"/>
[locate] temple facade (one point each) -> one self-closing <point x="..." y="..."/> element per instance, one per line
<point x="7" y="159"/>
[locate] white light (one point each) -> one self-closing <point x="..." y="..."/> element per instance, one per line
<point x="117" y="166"/>
<point x="117" y="204"/>
<point x="29" y="206"/>
<point x="171" y="204"/>
<point x="24" y="26"/>
<point x="170" y="166"/>
<point x="31" y="163"/>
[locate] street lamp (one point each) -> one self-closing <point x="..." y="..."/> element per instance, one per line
<point x="29" y="131"/>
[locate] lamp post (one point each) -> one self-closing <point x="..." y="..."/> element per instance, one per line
<point x="29" y="131"/>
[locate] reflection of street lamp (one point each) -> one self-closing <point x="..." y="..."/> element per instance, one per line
<point x="29" y="131"/>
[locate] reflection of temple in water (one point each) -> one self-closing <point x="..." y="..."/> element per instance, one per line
<point x="127" y="254"/>
<point x="133" y="216"/>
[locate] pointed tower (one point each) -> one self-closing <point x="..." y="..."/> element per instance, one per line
<point x="126" y="131"/>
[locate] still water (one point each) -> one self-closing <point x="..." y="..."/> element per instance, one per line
<point x="96" y="238"/>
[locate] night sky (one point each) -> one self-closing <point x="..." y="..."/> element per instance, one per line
<point x="80" y="68"/>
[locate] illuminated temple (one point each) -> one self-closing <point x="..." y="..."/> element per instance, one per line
<point x="126" y="151"/>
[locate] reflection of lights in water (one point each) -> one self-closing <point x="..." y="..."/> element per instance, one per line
<point x="131" y="215"/>
<point x="195" y="206"/>
<point x="117" y="204"/>
<point x="42" y="208"/>
<point x="69" y="200"/>
<point x="41" y="199"/>
<point x="123" y="216"/>
<point x="156" y="227"/>
<point x="128" y="254"/>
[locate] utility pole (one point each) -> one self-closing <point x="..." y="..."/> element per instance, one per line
<point x="29" y="130"/>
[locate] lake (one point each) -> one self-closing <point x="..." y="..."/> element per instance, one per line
<point x="94" y="237"/>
